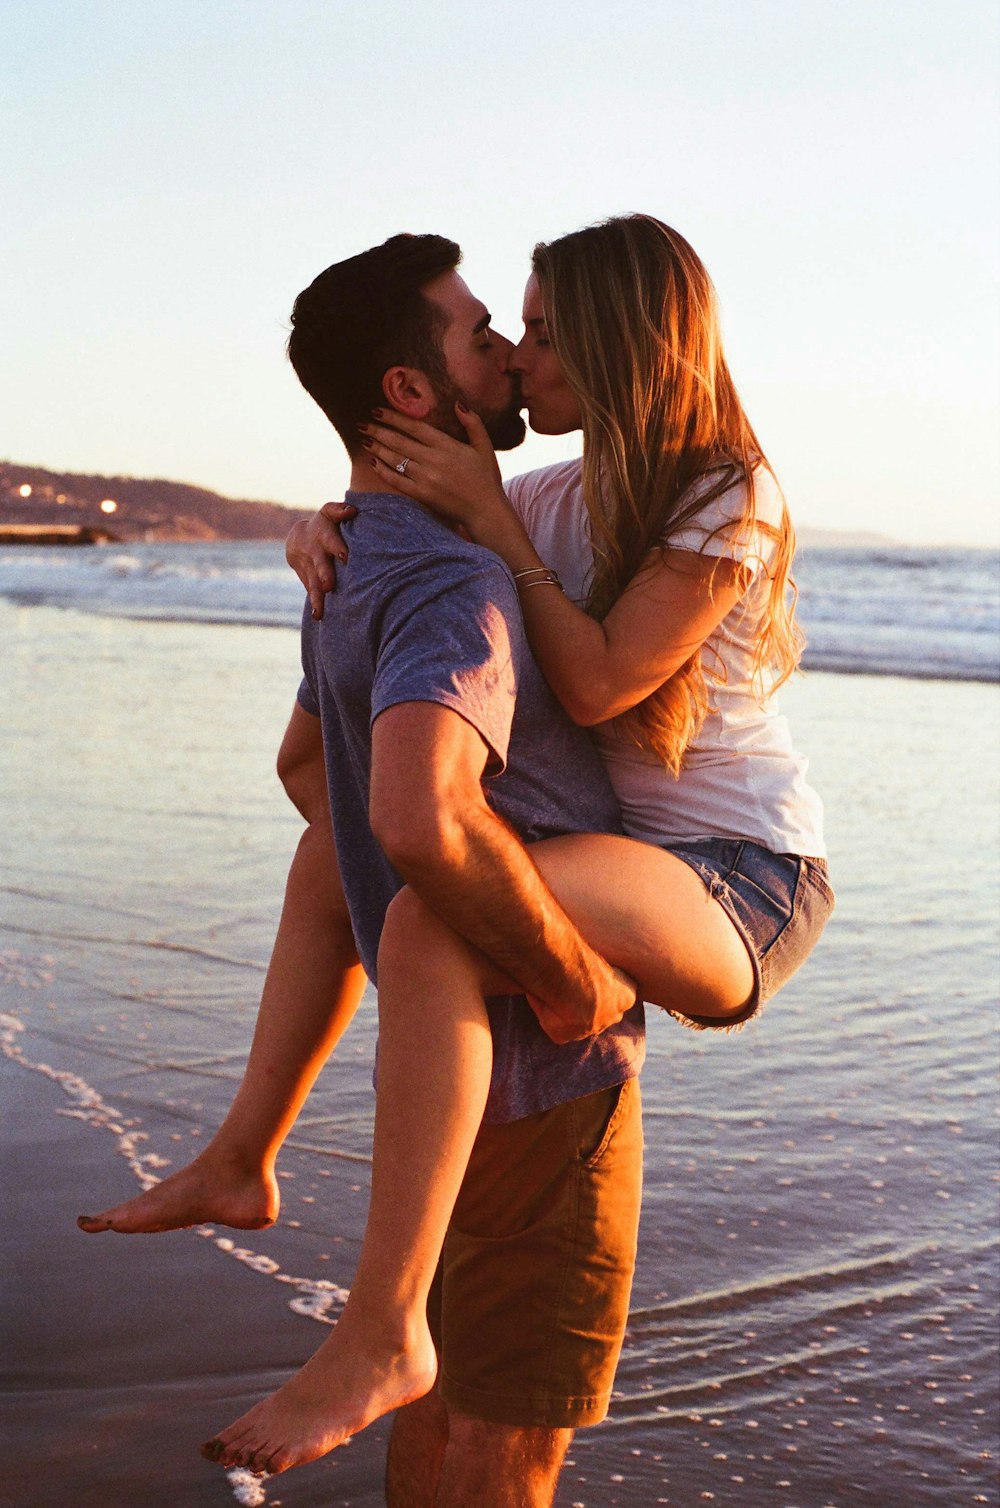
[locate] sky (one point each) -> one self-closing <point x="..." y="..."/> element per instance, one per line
<point x="174" y="174"/>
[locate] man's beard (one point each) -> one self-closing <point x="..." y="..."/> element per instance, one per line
<point x="505" y="426"/>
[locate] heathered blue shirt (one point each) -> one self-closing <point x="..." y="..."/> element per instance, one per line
<point x="420" y="615"/>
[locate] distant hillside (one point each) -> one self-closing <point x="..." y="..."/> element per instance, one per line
<point x="143" y="508"/>
<point x="148" y="508"/>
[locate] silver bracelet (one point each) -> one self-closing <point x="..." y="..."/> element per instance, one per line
<point x="550" y="580"/>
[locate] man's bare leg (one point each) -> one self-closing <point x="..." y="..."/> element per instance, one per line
<point x="312" y="989"/>
<point x="500" y="1465"/>
<point x="416" y="1450"/>
<point x="442" y="1459"/>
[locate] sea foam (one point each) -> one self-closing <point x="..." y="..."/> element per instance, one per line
<point x="315" y="1298"/>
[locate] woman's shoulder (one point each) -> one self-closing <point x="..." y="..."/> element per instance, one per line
<point x="544" y="485"/>
<point x="714" y="508"/>
<point x="724" y="489"/>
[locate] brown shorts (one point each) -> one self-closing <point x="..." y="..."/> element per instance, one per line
<point x="531" y="1298"/>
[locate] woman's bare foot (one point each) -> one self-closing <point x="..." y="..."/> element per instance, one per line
<point x="354" y="1378"/>
<point x="214" y="1189"/>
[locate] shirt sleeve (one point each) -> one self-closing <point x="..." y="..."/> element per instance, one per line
<point x="306" y="698"/>
<point x="454" y="638"/>
<point x="518" y="496"/>
<point x="715" y="530"/>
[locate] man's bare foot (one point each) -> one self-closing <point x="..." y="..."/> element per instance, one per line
<point x="211" y="1190"/>
<point x="352" y="1380"/>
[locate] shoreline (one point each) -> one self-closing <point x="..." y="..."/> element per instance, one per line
<point x="812" y="1314"/>
<point x="824" y="664"/>
<point x="122" y="1354"/>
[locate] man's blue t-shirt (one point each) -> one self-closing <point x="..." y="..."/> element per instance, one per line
<point x="420" y="615"/>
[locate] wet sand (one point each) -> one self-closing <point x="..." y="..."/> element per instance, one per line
<point x="813" y="1319"/>
<point x="120" y="1356"/>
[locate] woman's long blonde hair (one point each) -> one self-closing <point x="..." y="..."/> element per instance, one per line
<point x="633" y="318"/>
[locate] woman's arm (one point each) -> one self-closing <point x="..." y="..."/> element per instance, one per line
<point x="311" y="547"/>
<point x="600" y="670"/>
<point x="597" y="670"/>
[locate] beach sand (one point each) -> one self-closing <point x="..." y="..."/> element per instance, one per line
<point x="120" y="1356"/>
<point x="813" y="1320"/>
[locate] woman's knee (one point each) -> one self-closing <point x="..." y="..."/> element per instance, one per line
<point x="416" y="940"/>
<point x="409" y="923"/>
<point x="415" y="935"/>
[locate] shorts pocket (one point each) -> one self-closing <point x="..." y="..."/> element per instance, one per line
<point x="601" y="1115"/>
<point x="816" y="874"/>
<point x="812" y="910"/>
<point x="767" y="888"/>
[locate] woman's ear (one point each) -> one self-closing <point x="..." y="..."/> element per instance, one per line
<point x="409" y="392"/>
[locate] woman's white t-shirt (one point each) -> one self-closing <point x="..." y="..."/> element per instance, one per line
<point x="741" y="777"/>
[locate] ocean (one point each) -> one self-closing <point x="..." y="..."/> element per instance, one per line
<point x="895" y="610"/>
<point x="814" y="1315"/>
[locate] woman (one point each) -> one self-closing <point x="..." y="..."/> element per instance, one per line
<point x="674" y="546"/>
<point x="654" y="583"/>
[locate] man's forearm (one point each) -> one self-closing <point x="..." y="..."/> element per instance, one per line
<point x="428" y="810"/>
<point x="480" y="879"/>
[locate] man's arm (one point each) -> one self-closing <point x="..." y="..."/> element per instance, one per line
<point x="429" y="813"/>
<point x="301" y="767"/>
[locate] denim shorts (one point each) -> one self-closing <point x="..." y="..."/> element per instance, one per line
<point x="779" y="903"/>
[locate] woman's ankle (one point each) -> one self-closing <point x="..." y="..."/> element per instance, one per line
<point x="230" y="1156"/>
<point x="390" y="1325"/>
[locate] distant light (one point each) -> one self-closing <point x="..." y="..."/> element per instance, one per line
<point x="60" y="497"/>
<point x="25" y="490"/>
<point x="109" y="505"/>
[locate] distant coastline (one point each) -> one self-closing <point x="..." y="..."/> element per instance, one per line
<point x="153" y="508"/>
<point x="133" y="508"/>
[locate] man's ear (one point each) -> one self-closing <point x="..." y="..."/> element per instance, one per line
<point x="408" y="391"/>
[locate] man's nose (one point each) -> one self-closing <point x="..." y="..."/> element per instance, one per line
<point x="503" y="348"/>
<point x="515" y="357"/>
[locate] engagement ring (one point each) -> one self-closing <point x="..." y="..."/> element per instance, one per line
<point x="401" y="468"/>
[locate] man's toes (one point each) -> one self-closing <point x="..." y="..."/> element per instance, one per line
<point x="92" y="1223"/>
<point x="278" y="1460"/>
<point x="259" y="1460"/>
<point x="240" y="1455"/>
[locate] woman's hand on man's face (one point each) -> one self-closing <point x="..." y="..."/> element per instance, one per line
<point x="457" y="480"/>
<point x="311" y="547"/>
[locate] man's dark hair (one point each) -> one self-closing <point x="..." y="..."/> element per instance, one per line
<point x="362" y="316"/>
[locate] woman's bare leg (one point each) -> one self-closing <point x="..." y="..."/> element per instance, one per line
<point x="312" y="989"/>
<point x="434" y="1066"/>
<point x="647" y="912"/>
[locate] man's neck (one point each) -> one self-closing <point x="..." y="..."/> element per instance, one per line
<point x="363" y="478"/>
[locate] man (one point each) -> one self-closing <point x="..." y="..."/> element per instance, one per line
<point x="437" y="732"/>
<point x="406" y="671"/>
